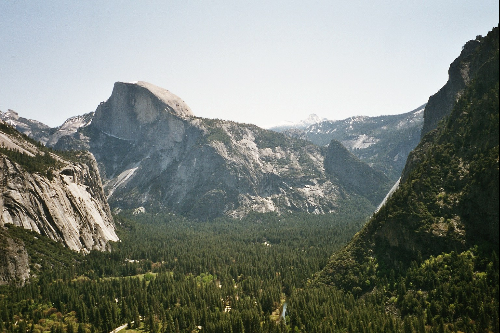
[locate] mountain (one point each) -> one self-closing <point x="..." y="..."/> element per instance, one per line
<point x="437" y="231"/>
<point x="357" y="175"/>
<point x="33" y="128"/>
<point x="155" y="154"/>
<point x="58" y="196"/>
<point x="383" y="142"/>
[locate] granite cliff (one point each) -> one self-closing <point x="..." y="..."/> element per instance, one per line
<point x="14" y="260"/>
<point x="58" y="197"/>
<point x="153" y="153"/>
<point x="475" y="54"/>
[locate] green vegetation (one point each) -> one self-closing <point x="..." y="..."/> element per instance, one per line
<point x="9" y="130"/>
<point x="172" y="274"/>
<point x="216" y="132"/>
<point x="41" y="163"/>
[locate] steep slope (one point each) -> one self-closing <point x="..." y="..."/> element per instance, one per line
<point x="349" y="170"/>
<point x="68" y="129"/>
<point x="383" y="142"/>
<point x="14" y="260"/>
<point x="153" y="153"/>
<point x="461" y="72"/>
<point x="445" y="212"/>
<point x="61" y="198"/>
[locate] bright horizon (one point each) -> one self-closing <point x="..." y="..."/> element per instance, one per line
<point x="263" y="62"/>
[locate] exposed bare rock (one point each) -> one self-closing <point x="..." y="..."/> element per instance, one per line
<point x="69" y="127"/>
<point x="14" y="261"/>
<point x="356" y="174"/>
<point x="383" y="142"/>
<point x="461" y="70"/>
<point x="134" y="107"/>
<point x="30" y="127"/>
<point x="63" y="200"/>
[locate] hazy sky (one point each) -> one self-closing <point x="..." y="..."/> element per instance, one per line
<point x="256" y="61"/>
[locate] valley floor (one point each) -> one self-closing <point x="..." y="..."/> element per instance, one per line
<point x="170" y="274"/>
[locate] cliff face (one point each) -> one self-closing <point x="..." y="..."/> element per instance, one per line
<point x="134" y="107"/>
<point x="14" y="261"/>
<point x="470" y="65"/>
<point x="153" y="153"/>
<point x="358" y="175"/>
<point x="30" y="127"/>
<point x="53" y="196"/>
<point x="475" y="53"/>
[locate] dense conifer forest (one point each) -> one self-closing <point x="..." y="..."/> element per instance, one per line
<point x="171" y="274"/>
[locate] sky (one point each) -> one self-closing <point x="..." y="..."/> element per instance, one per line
<point x="261" y="62"/>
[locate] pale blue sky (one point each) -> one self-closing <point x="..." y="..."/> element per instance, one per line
<point x="258" y="62"/>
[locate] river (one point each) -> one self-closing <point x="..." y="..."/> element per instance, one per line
<point x="283" y="312"/>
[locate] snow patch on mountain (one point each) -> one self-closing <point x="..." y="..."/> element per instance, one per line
<point x="301" y="124"/>
<point x="361" y="142"/>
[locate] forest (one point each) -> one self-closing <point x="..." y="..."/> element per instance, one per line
<point x="172" y="274"/>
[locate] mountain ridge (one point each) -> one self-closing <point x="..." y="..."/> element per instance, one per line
<point x="153" y="156"/>
<point x="383" y="142"/>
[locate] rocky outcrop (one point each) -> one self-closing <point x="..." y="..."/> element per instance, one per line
<point x="476" y="55"/>
<point x="30" y="127"/>
<point x="63" y="200"/>
<point x="134" y="107"/>
<point x="69" y="128"/>
<point x="462" y="70"/>
<point x="14" y="261"/>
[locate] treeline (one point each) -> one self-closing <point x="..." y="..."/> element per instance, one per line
<point x="41" y="163"/>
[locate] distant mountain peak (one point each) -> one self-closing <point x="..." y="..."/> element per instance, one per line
<point x="313" y="118"/>
<point x="383" y="142"/>
<point x="301" y="124"/>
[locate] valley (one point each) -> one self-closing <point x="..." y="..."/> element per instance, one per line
<point x="144" y="215"/>
<point x="178" y="274"/>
